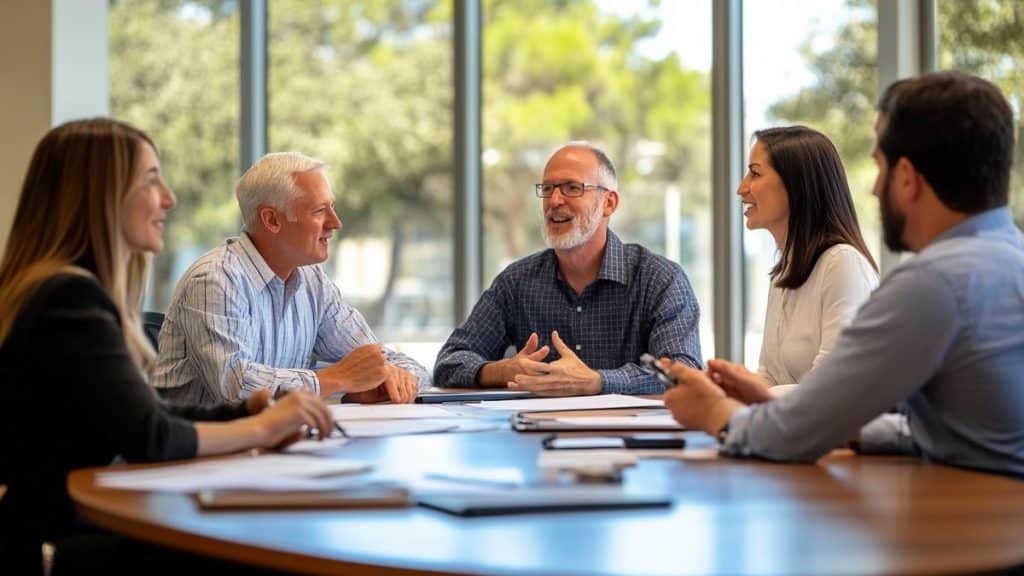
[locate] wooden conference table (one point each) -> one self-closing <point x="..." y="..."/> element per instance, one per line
<point x="847" y="514"/>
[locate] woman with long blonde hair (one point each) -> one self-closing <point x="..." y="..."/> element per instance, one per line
<point x="73" y="357"/>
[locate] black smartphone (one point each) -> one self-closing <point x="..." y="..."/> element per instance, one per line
<point x="634" y="441"/>
<point x="651" y="365"/>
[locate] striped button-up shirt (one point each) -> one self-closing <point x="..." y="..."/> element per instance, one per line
<point x="640" y="302"/>
<point x="234" y="327"/>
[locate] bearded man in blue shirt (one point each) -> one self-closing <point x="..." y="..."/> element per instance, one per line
<point x="942" y="334"/>
<point x="581" y="312"/>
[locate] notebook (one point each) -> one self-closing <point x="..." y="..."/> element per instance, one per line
<point x="539" y="500"/>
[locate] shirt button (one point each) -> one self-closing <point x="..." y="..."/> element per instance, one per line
<point x="579" y="308"/>
<point x="579" y="347"/>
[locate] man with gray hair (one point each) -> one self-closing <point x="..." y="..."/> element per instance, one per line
<point x="257" y="312"/>
<point x="582" y="312"/>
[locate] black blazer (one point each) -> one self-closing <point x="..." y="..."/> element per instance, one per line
<point x="73" y="398"/>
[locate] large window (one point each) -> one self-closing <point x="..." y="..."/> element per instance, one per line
<point x="367" y="87"/>
<point x="986" y="37"/>
<point x="632" y="78"/>
<point x="813" y="63"/>
<point x="187" y="99"/>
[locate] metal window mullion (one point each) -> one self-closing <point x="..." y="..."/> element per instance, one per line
<point x="252" y="82"/>
<point x="467" y="205"/>
<point x="727" y="169"/>
<point x="928" y="50"/>
<point x="906" y="47"/>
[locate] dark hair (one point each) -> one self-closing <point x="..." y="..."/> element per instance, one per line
<point x="821" y="212"/>
<point x="957" y="131"/>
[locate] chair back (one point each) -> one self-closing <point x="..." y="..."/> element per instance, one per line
<point x="151" y="324"/>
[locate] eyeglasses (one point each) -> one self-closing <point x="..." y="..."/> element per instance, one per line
<point x="569" y="188"/>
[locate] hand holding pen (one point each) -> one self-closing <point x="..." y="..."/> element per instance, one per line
<point x="293" y="416"/>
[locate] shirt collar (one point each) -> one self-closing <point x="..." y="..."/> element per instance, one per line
<point x="994" y="219"/>
<point x="613" y="263"/>
<point x="256" y="268"/>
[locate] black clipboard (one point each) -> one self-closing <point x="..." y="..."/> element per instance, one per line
<point x="548" y="421"/>
<point x="473" y="396"/>
<point x="634" y="441"/>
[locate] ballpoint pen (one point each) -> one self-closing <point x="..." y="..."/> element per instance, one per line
<point x="651" y="365"/>
<point x="309" y="431"/>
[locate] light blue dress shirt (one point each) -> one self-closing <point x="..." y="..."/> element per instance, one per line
<point x="234" y="327"/>
<point x="944" y="335"/>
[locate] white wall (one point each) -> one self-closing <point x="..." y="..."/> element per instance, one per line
<point x="53" y="67"/>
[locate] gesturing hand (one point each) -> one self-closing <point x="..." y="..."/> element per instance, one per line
<point x="362" y="369"/>
<point x="567" y="376"/>
<point x="502" y="372"/>
<point x="738" y="382"/>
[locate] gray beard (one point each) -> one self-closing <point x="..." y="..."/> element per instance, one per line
<point x="583" y="229"/>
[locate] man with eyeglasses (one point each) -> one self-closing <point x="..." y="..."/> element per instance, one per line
<point x="582" y="312"/>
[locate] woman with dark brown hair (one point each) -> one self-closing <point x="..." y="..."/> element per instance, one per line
<point x="73" y="356"/>
<point x="796" y="188"/>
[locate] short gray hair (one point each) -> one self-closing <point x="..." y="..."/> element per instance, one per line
<point x="271" y="181"/>
<point x="605" y="167"/>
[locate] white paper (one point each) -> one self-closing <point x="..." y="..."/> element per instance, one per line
<point x="346" y="412"/>
<point x="375" y="428"/>
<point x="611" y="458"/>
<point x="315" y="446"/>
<point x="264" y="472"/>
<point x="599" y="402"/>
<point x="655" y="422"/>
<point x="487" y="477"/>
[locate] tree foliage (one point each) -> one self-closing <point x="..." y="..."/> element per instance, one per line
<point x="367" y="86"/>
<point x="985" y="37"/>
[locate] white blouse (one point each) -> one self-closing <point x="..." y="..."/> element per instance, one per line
<point x="801" y="325"/>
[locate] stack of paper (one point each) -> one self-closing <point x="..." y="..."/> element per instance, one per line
<point x="635" y="422"/>
<point x="345" y="412"/>
<point x="263" y="472"/>
<point x="372" y="420"/>
<point x="374" y="428"/>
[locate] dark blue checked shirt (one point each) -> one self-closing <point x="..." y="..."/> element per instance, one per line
<point x="640" y="302"/>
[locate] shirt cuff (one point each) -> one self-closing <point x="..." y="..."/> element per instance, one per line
<point x="465" y="374"/>
<point x="628" y="381"/>
<point x="887" y="434"/>
<point x="301" y="379"/>
<point x="734" y="440"/>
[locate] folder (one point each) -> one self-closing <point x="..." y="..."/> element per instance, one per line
<point x="370" y="495"/>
